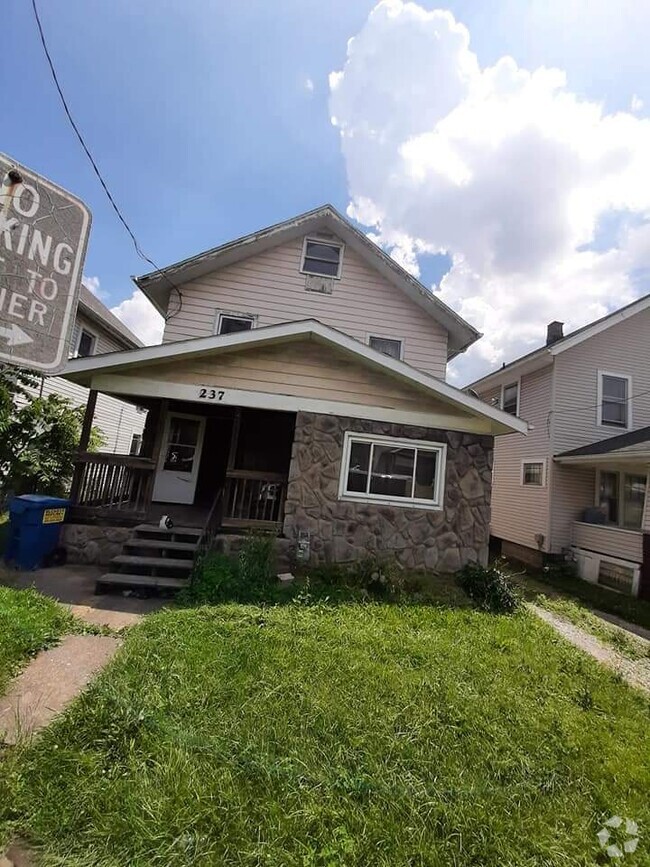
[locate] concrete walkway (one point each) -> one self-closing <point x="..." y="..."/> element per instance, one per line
<point x="50" y="682"/>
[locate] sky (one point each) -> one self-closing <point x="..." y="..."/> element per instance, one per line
<point x="500" y="151"/>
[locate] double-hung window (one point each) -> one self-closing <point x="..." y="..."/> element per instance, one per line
<point x="614" y="404"/>
<point x="396" y="471"/>
<point x="322" y="258"/>
<point x="510" y="398"/>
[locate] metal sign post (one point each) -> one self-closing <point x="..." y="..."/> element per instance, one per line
<point x="43" y="238"/>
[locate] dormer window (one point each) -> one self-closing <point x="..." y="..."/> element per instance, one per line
<point x="322" y="258"/>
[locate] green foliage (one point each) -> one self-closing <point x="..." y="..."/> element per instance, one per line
<point x="257" y="565"/>
<point x="379" y="577"/>
<point x="250" y="577"/>
<point x="488" y="588"/>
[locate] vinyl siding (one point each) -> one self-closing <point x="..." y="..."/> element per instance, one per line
<point x="519" y="512"/>
<point x="270" y="287"/>
<point x="573" y="490"/>
<point x="615" y="542"/>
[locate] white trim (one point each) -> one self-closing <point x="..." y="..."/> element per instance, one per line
<point x="505" y="385"/>
<point x="94" y="336"/>
<point x="440" y="449"/>
<point x="599" y="405"/>
<point x="159" y="479"/>
<point x="526" y="461"/>
<point x="373" y="334"/>
<point x="310" y="329"/>
<point x="325" y="243"/>
<point x="230" y="314"/>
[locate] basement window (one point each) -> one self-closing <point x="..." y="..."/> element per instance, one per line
<point x="321" y="258"/>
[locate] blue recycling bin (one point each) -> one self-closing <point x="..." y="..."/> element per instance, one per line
<point x="34" y="528"/>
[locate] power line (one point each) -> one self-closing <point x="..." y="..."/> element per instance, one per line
<point x="83" y="144"/>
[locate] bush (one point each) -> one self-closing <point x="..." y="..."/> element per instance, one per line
<point x="373" y="575"/>
<point x="250" y="577"/>
<point x="488" y="588"/>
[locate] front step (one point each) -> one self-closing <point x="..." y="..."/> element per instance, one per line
<point x="175" y="534"/>
<point x="152" y="563"/>
<point x="123" y="579"/>
<point x="162" y="545"/>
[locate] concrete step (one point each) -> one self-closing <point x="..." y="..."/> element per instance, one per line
<point x="123" y="579"/>
<point x="151" y="562"/>
<point x="155" y="530"/>
<point x="159" y="544"/>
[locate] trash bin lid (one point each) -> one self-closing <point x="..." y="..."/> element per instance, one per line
<point x="26" y="502"/>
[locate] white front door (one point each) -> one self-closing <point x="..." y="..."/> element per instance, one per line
<point x="180" y="456"/>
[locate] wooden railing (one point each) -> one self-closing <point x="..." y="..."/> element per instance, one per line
<point x="254" y="499"/>
<point x="107" y="486"/>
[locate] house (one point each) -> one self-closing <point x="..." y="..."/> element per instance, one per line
<point x="578" y="484"/>
<point x="300" y="388"/>
<point x="97" y="331"/>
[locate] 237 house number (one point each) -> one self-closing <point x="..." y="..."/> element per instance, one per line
<point x="211" y="394"/>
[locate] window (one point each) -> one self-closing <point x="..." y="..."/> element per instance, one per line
<point x="401" y="472"/>
<point x="136" y="444"/>
<point x="321" y="257"/>
<point x="532" y="473"/>
<point x="614" y="406"/>
<point x="230" y="323"/>
<point x="510" y="398"/>
<point x="621" y="497"/>
<point x="386" y="345"/>
<point x="86" y="344"/>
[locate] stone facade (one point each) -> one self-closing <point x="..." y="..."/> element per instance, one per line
<point x="93" y="544"/>
<point x="342" y="531"/>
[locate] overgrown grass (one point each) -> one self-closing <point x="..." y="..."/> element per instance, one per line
<point x="29" y="622"/>
<point x="311" y="735"/>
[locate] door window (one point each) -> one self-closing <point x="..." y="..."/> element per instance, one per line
<point x="181" y="444"/>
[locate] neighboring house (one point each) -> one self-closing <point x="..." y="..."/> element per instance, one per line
<point x="578" y="484"/>
<point x="97" y="331"/>
<point x="300" y="388"/>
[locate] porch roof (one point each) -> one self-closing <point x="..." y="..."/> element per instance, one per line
<point x="631" y="447"/>
<point x="89" y="371"/>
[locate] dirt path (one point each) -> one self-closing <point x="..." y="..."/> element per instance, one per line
<point x="635" y="671"/>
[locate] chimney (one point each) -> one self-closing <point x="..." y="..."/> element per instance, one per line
<point x="554" y="332"/>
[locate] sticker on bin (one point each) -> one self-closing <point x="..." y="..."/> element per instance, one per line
<point x="53" y="516"/>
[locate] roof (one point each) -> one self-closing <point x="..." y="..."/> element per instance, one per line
<point x="82" y="370"/>
<point x="632" y="445"/>
<point x="544" y="355"/>
<point x="158" y="285"/>
<point x="91" y="306"/>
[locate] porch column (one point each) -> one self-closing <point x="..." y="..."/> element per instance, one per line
<point x="86" y="429"/>
<point x="644" y="583"/>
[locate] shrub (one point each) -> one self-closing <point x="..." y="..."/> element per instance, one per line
<point x="250" y="577"/>
<point x="373" y="575"/>
<point x="488" y="588"/>
<point x="256" y="563"/>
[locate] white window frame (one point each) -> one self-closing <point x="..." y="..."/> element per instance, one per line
<point x="325" y="241"/>
<point x="526" y="461"/>
<point x="621" y="472"/>
<point x="505" y="385"/>
<point x="95" y="338"/>
<point x="436" y="504"/>
<point x="599" y="409"/>
<point x="231" y="314"/>
<point x="399" y="340"/>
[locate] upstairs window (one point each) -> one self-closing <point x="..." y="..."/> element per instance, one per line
<point x="322" y="258"/>
<point x="386" y="345"/>
<point x="230" y="323"/>
<point x="85" y="344"/>
<point x="614" y="405"/>
<point x="510" y="398"/>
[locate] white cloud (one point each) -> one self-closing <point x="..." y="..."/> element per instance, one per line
<point x="92" y="283"/>
<point x="503" y="168"/>
<point x="138" y="314"/>
<point x="636" y="103"/>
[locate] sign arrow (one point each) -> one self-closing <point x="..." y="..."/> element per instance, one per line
<point x="15" y="336"/>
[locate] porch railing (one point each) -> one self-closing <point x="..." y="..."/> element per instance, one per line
<point x="612" y="541"/>
<point x="254" y="499"/>
<point x="106" y="484"/>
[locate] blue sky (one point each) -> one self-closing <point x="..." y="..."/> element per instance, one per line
<point x="210" y="120"/>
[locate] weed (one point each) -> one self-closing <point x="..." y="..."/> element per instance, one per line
<point x="488" y="588"/>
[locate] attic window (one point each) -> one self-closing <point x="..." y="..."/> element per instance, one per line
<point x="321" y="258"/>
<point x="229" y="323"/>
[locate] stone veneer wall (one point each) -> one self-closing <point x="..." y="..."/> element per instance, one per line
<point x="93" y="544"/>
<point x="343" y="531"/>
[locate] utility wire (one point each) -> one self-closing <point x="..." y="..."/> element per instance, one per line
<point x="83" y="144"/>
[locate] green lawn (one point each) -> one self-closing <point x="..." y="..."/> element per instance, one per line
<point x="318" y="736"/>
<point x="29" y="622"/>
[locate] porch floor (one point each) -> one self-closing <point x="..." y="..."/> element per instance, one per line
<point x="182" y="515"/>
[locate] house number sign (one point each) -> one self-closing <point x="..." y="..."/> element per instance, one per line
<point x="211" y="394"/>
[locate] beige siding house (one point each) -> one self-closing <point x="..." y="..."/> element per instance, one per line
<point x="577" y="484"/>
<point x="96" y="332"/>
<point x="299" y="389"/>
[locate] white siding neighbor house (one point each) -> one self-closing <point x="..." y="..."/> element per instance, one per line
<point x="300" y="388"/>
<point x="578" y="484"/>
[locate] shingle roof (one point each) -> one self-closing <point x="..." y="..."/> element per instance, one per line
<point x="613" y="444"/>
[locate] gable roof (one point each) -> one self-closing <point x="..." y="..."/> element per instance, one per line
<point x="545" y="354"/>
<point x="82" y="370"/>
<point x="89" y="305"/>
<point x="158" y="285"/>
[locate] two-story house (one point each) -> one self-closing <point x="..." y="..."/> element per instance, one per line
<point x="578" y="484"/>
<point x="97" y="331"/>
<point x="300" y="387"/>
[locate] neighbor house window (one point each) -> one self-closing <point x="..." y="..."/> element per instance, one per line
<point x="386" y="345"/>
<point x="614" y="404"/>
<point x="321" y="257"/>
<point x="510" y="398"/>
<point x="621" y="496"/>
<point x="532" y="473"/>
<point x="229" y="323"/>
<point x="86" y="344"/>
<point x="401" y="472"/>
<point x="136" y="444"/>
